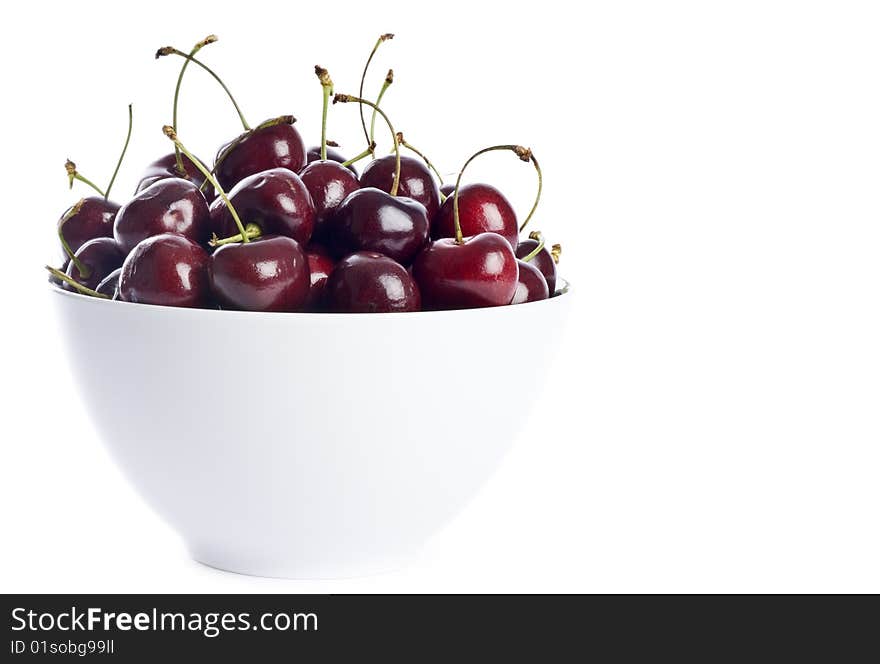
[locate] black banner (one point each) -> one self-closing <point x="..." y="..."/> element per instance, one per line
<point x="418" y="627"/>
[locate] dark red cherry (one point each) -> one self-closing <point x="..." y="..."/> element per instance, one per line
<point x="266" y="147"/>
<point x="543" y="260"/>
<point x="480" y="272"/>
<point x="314" y="154"/>
<point x="268" y="274"/>
<point x="166" y="167"/>
<point x="416" y="180"/>
<point x="166" y="269"/>
<point x="109" y="285"/>
<point x="531" y="284"/>
<point x="321" y="266"/>
<point x="94" y="218"/>
<point x="276" y="200"/>
<point x="369" y="282"/>
<point x="172" y="205"/>
<point x="372" y="220"/>
<point x="447" y="189"/>
<point x="481" y="208"/>
<point x="100" y="257"/>
<point x="328" y="183"/>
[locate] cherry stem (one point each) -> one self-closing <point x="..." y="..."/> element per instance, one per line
<point x="389" y="79"/>
<point x="412" y="148"/>
<point x="198" y="47"/>
<point x="379" y="41"/>
<point x="244" y="123"/>
<point x="537" y="235"/>
<point x="84" y="270"/>
<point x="362" y="155"/>
<point x="170" y="50"/>
<point x="121" y="156"/>
<point x="73" y="174"/>
<point x="347" y="98"/>
<point x="170" y="133"/>
<point x="555" y="250"/>
<point x="73" y="282"/>
<point x="327" y="87"/>
<point x="540" y="187"/>
<point x="251" y="232"/>
<point x="525" y="154"/>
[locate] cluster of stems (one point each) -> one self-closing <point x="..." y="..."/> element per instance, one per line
<point x="190" y="57"/>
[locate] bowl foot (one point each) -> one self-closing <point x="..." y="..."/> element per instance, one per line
<point x="289" y="567"/>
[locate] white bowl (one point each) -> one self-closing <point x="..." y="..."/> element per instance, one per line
<point x="307" y="445"/>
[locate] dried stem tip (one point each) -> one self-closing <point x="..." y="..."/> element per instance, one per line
<point x="556" y="251"/>
<point x="165" y="50"/>
<point x="389" y="77"/>
<point x="281" y="119"/>
<point x="523" y="153"/>
<point x="70" y="167"/>
<point x="323" y="76"/>
<point x="332" y="144"/>
<point x="386" y="36"/>
<point x="168" y="130"/>
<point x="210" y="39"/>
<point x="272" y="122"/>
<point x="74" y="210"/>
<point x="342" y="98"/>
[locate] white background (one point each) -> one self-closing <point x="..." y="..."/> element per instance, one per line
<point x="712" y="170"/>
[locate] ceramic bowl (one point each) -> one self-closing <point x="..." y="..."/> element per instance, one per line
<point x="307" y="445"/>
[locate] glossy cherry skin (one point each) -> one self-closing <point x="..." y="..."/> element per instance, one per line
<point x="416" y="181"/>
<point x="172" y="205"/>
<point x="531" y="284"/>
<point x="109" y="285"/>
<point x="543" y="260"/>
<point x="321" y="266"/>
<point x="371" y="220"/>
<point x="94" y="219"/>
<point x="166" y="269"/>
<point x="276" y="200"/>
<point x="369" y="282"/>
<point x="314" y="154"/>
<point x="166" y="167"/>
<point x="481" y="209"/>
<point x="447" y="189"/>
<point x="480" y="272"/>
<point x="267" y="274"/>
<point x="101" y="256"/>
<point x="328" y="183"/>
<point x="275" y="146"/>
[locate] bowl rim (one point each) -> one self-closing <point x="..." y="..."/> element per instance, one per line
<point x="561" y="292"/>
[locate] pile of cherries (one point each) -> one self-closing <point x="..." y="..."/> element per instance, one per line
<point x="275" y="227"/>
